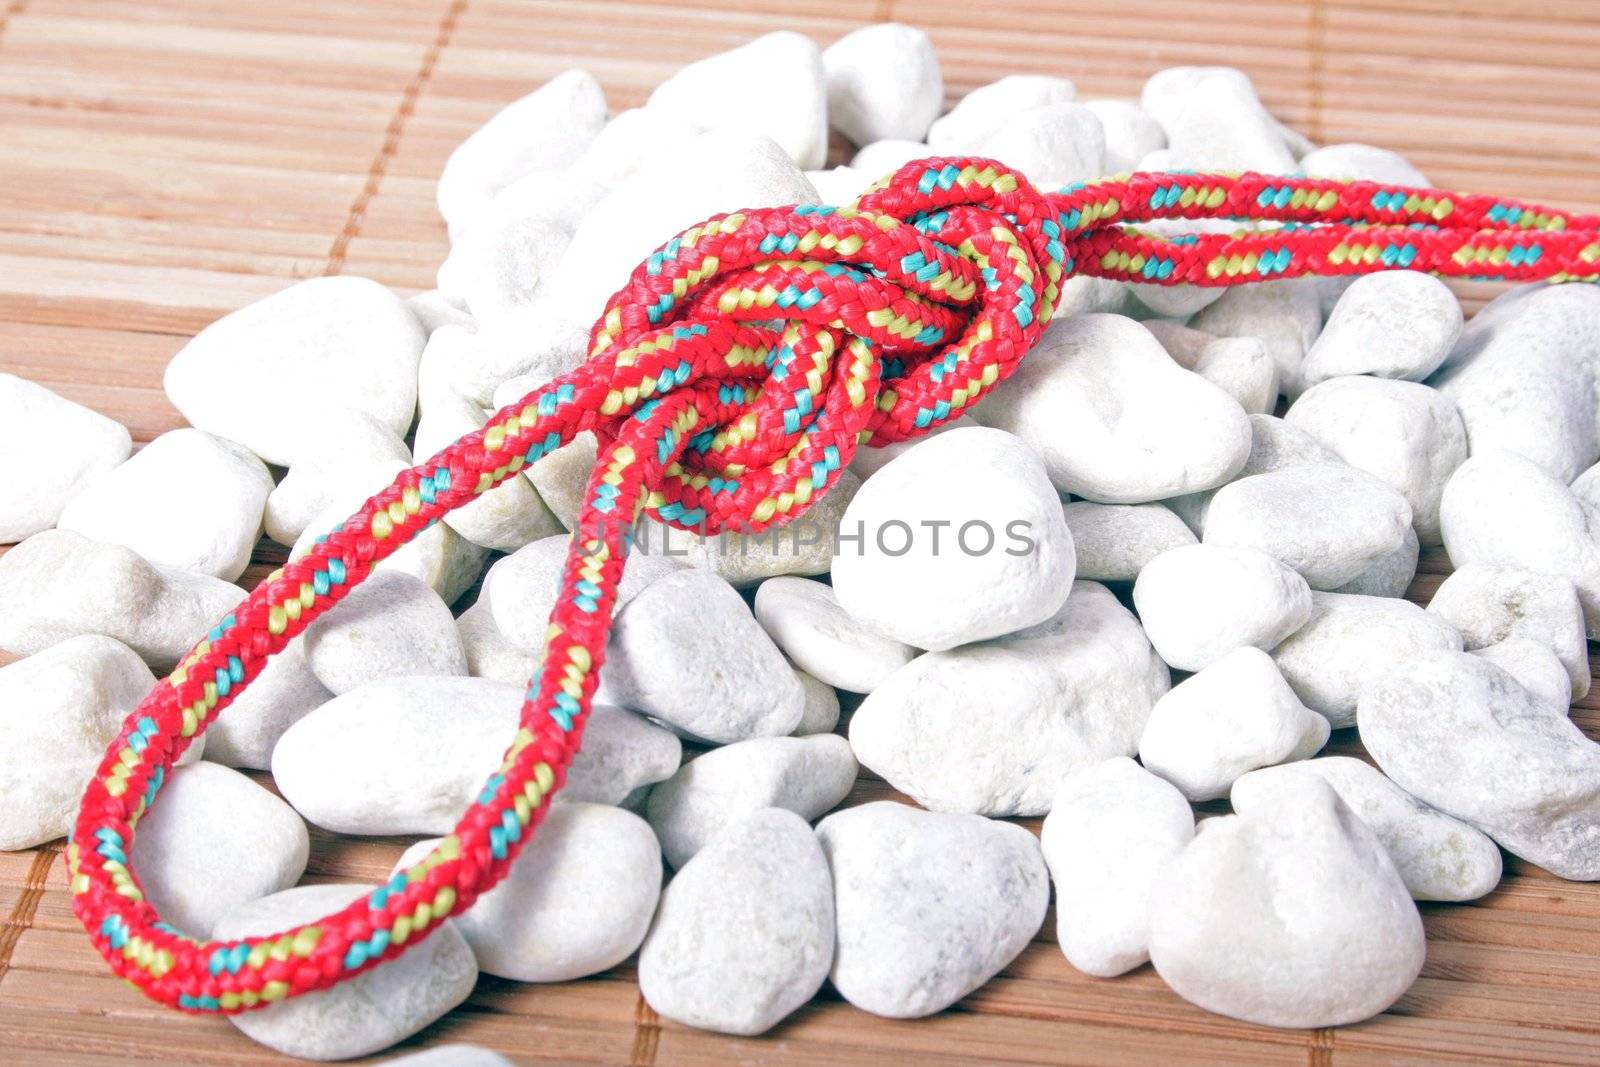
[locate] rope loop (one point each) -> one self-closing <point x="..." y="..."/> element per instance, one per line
<point x="730" y="382"/>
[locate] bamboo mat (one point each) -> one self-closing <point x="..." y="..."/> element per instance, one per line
<point x="165" y="161"/>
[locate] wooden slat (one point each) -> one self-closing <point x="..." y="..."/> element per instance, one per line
<point x="165" y="161"/>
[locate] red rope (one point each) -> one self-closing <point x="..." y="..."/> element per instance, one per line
<point x="898" y="314"/>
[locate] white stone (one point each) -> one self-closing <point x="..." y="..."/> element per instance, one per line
<point x="1130" y="133"/>
<point x="1284" y="315"/>
<point x="390" y="624"/>
<point x="806" y="775"/>
<point x="1389" y="576"/>
<point x="1394" y="324"/>
<point x="364" y="1014"/>
<point x="840" y="185"/>
<point x="961" y="538"/>
<point x="870" y="459"/>
<point x="1290" y="914"/>
<point x="882" y="158"/>
<point x="1052" y="145"/>
<point x="490" y="654"/>
<point x="1111" y="830"/>
<point x="60" y="708"/>
<point x="214" y="841"/>
<point x="433" y="311"/>
<point x="1114" y="418"/>
<point x="1330" y="522"/>
<point x="745" y="933"/>
<point x="795" y="118"/>
<point x="1404" y="434"/>
<point x="883" y="83"/>
<point x="929" y="905"/>
<point x="985" y="108"/>
<point x="805" y="619"/>
<point x="1114" y="542"/>
<point x="1503" y="510"/>
<point x="687" y="650"/>
<point x="563" y="476"/>
<point x="1524" y="375"/>
<point x="577" y="900"/>
<point x="1350" y="641"/>
<point x="1362" y="162"/>
<point x="1234" y="716"/>
<point x="149" y="504"/>
<point x="1490" y="604"/>
<point x="280" y="695"/>
<point x="992" y="727"/>
<point x="84" y="444"/>
<point x="631" y="140"/>
<point x="523" y="587"/>
<point x="58" y="584"/>
<point x="1200" y="602"/>
<point x="1215" y="121"/>
<point x="546" y="130"/>
<point x="505" y="518"/>
<point x="1274" y="446"/>
<point x="514" y="241"/>
<point x="1534" y="667"/>
<point x="1460" y="734"/>
<point x="622" y="753"/>
<point x="245" y="375"/>
<point x="398" y="755"/>
<point x="821" y="712"/>
<point x="448" y="562"/>
<point x="342" y="458"/>
<point x="1240" y="367"/>
<point x="1438" y="857"/>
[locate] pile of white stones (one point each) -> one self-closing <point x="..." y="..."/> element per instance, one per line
<point x="1146" y="512"/>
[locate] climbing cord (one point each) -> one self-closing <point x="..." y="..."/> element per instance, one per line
<point x="729" y="383"/>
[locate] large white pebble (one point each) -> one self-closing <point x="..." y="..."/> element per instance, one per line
<point x="490" y="654"/>
<point x="364" y="1014"/>
<point x="149" y="504"/>
<point x="1111" y="830"/>
<point x="58" y="584"/>
<point x="1215" y="121"/>
<point x="577" y="900"/>
<point x="1389" y="576"/>
<point x="1523" y="373"/>
<point x="434" y="312"/>
<point x="341" y="458"/>
<point x="1115" y="541"/>
<point x="745" y="933"/>
<point x="992" y="727"/>
<point x="1350" y="641"/>
<point x="929" y="905"/>
<point x="355" y="339"/>
<point x="795" y="118"/>
<point x="985" y="108"/>
<point x="869" y="461"/>
<point x="1234" y="716"/>
<point x="1200" y="602"/>
<point x="881" y="158"/>
<point x="1534" y="667"/>
<point x="1406" y="435"/>
<point x="1502" y="509"/>
<point x="1284" y="315"/>
<point x="621" y="754"/>
<point x="1362" y="162"/>
<point x="1329" y="521"/>
<point x="1490" y="604"/>
<point x="512" y="243"/>
<point x="40" y="481"/>
<point x="1394" y="324"/>
<point x="548" y="129"/>
<point x="390" y="624"/>
<point x="805" y="619"/>
<point x="686" y="650"/>
<point x="821" y="712"/>
<point x="280" y="695"/>
<point x="1438" y="857"/>
<point x="1274" y="446"/>
<point x="60" y="709"/>
<point x="397" y="755"/>
<point x="1053" y="145"/>
<point x="1114" y="419"/>
<point x="523" y="587"/>
<point x="213" y="841"/>
<point x="958" y="539"/>
<point x="883" y="83"/>
<point x="1290" y="913"/>
<point x="1459" y="733"/>
<point x="806" y="775"/>
<point x="1130" y="133"/>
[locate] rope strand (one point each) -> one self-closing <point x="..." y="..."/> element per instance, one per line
<point x="898" y="314"/>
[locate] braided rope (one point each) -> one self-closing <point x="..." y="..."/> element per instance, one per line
<point x="898" y="313"/>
